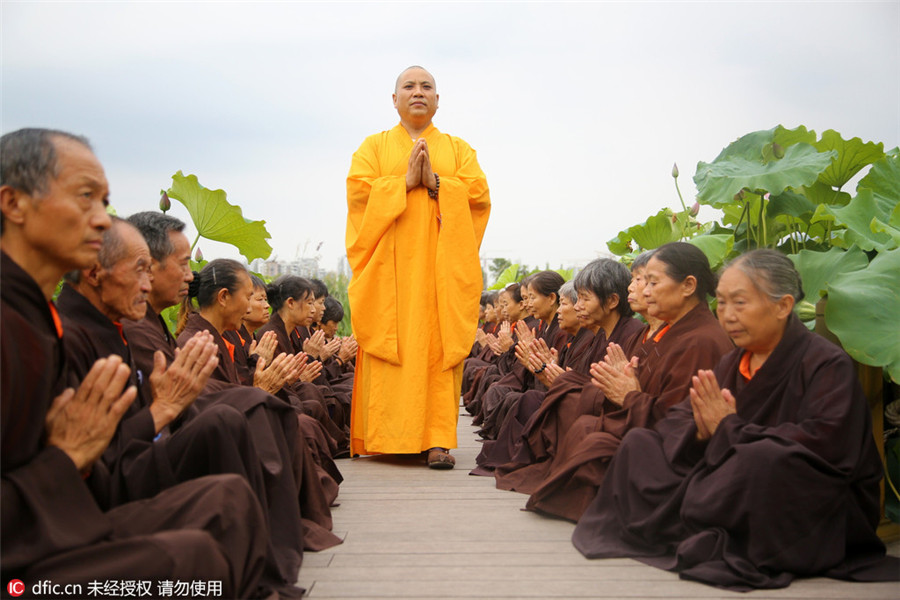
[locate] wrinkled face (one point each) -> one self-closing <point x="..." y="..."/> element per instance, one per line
<point x="235" y="305"/>
<point x="666" y="298"/>
<point x="636" y="291"/>
<point x="568" y="316"/>
<point x="415" y="97"/>
<point x="258" y="310"/>
<point x="172" y="277"/>
<point x="329" y="328"/>
<point x="750" y="318"/>
<point x="124" y="287"/>
<point x="591" y="312"/>
<point x="542" y="307"/>
<point x="65" y="225"/>
<point x="302" y="310"/>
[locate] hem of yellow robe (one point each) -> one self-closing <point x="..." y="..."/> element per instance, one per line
<point x="415" y="445"/>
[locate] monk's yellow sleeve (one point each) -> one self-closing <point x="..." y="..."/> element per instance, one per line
<point x="465" y="206"/>
<point x="374" y="201"/>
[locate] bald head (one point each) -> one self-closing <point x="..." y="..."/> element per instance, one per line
<point x="408" y="71"/>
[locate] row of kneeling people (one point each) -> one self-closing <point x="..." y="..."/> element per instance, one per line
<point x="130" y="454"/>
<point x="738" y="452"/>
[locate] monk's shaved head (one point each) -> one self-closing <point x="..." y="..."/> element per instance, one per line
<point x="406" y="70"/>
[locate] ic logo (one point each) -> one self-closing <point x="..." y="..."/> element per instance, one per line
<point x="15" y="587"/>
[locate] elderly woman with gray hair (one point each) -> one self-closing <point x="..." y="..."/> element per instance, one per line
<point x="767" y="471"/>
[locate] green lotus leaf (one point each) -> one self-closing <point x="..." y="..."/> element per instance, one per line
<point x="655" y="231"/>
<point x="718" y="182"/>
<point x="716" y="247"/>
<point x="788" y="137"/>
<point x="863" y="311"/>
<point x="820" y="193"/>
<point x="884" y="181"/>
<point x="852" y="156"/>
<point x="790" y="203"/>
<point x="857" y="218"/>
<point x="892" y="228"/>
<point x="216" y="219"/>
<point x="749" y="146"/>
<point x="621" y="244"/>
<point x="818" y="269"/>
<point x="505" y="278"/>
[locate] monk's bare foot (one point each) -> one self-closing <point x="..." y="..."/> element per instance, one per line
<point x="439" y="458"/>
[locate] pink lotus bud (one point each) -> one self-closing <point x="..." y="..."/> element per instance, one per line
<point x="675" y="170"/>
<point x="198" y="256"/>
<point x="695" y="209"/>
<point x="164" y="202"/>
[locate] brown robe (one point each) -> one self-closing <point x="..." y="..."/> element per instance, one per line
<point x="52" y="528"/>
<point x="313" y="496"/>
<point x="215" y="440"/>
<point x="508" y="444"/>
<point x="665" y="367"/>
<point x="570" y="397"/>
<point x="787" y="487"/>
<point x="318" y="401"/>
<point x="498" y="399"/>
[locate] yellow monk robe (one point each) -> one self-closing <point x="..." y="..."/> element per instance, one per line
<point x="415" y="289"/>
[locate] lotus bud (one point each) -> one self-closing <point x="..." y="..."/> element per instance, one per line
<point x="695" y="209"/>
<point x="198" y="256"/>
<point x="777" y="151"/>
<point x="675" y="170"/>
<point x="164" y="202"/>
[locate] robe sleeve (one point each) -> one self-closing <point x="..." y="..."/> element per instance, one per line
<point x="695" y="353"/>
<point x="374" y="202"/>
<point x="465" y="206"/>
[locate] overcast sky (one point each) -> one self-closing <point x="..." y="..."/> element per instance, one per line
<point x="577" y="110"/>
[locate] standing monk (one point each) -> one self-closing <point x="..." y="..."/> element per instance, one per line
<point x="418" y="206"/>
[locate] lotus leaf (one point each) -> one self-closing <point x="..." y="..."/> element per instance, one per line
<point x="852" y="156"/>
<point x="818" y="269"/>
<point x="863" y="311"/>
<point x="718" y="182"/>
<point x="716" y="247"/>
<point x="216" y="219"/>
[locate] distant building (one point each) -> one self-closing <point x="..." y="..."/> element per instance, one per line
<point x="304" y="267"/>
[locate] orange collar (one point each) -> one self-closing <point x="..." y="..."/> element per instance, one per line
<point x="659" y="335"/>
<point x="230" y="347"/>
<point x="121" y="332"/>
<point x="56" y="320"/>
<point x="744" y="367"/>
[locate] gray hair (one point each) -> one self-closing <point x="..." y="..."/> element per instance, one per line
<point x="567" y="290"/>
<point x="771" y="272"/>
<point x="155" y="227"/>
<point x="641" y="260"/>
<point x="28" y="158"/>
<point x="604" y="277"/>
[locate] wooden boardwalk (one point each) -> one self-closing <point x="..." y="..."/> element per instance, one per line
<point x="410" y="532"/>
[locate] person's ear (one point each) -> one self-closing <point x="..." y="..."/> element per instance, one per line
<point x="14" y="204"/>
<point x="222" y="297"/>
<point x="784" y="306"/>
<point x="94" y="275"/>
<point x="689" y="286"/>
